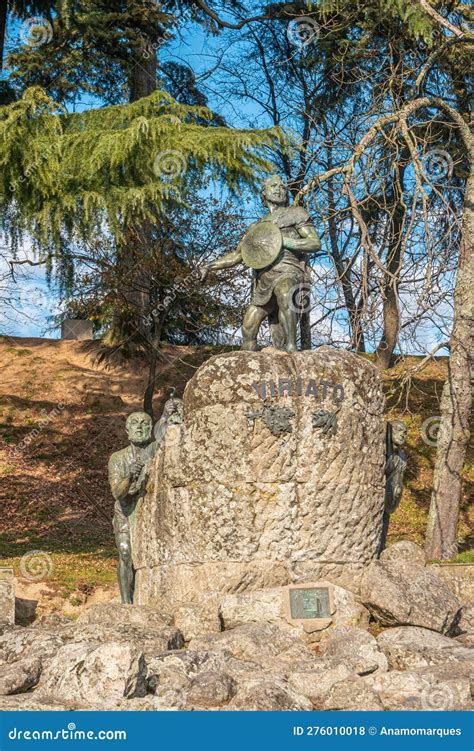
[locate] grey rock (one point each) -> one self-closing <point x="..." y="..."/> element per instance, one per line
<point x="165" y="703"/>
<point x="458" y="577"/>
<point x="196" y="620"/>
<point x="210" y="689"/>
<point x="315" y="684"/>
<point x="354" y="648"/>
<point x="88" y="672"/>
<point x="466" y="621"/>
<point x="403" y="593"/>
<point x="52" y="621"/>
<point x="441" y="688"/>
<point x="252" y="641"/>
<point x="151" y="631"/>
<point x="268" y="693"/>
<point x="30" y="702"/>
<point x="408" y="647"/>
<point x="404" y="551"/>
<point x="263" y="605"/>
<point x="353" y="694"/>
<point x="18" y="677"/>
<point x="465" y="639"/>
<point x="117" y="615"/>
<point x="18" y="643"/>
<point x="266" y="605"/>
<point x="176" y="670"/>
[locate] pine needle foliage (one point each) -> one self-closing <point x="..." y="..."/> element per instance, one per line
<point x="68" y="175"/>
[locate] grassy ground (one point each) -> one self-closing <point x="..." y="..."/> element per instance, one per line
<point x="61" y="416"/>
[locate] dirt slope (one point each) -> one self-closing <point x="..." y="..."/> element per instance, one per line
<point x="61" y="415"/>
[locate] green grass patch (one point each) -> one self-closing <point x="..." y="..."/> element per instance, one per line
<point x="19" y="351"/>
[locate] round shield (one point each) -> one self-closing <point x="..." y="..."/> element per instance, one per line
<point x="261" y="245"/>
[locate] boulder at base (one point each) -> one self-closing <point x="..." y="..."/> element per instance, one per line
<point x="255" y="490"/>
<point x="400" y="591"/>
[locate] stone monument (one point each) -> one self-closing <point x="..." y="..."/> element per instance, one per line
<point x="75" y="328"/>
<point x="276" y="476"/>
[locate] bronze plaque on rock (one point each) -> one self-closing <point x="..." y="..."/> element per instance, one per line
<point x="310" y="603"/>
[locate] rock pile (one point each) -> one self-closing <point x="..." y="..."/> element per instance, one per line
<point x="243" y="656"/>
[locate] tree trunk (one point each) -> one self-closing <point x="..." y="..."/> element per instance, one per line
<point x="142" y="81"/>
<point x="127" y="323"/>
<point x="391" y="310"/>
<point x="3" y="28"/>
<point x="151" y="382"/>
<point x="456" y="399"/>
<point x="357" y="335"/>
<point x="305" y="330"/>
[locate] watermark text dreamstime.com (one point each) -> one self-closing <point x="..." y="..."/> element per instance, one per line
<point x="40" y="426"/>
<point x="71" y="733"/>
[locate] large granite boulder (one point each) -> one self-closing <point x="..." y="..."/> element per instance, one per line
<point x="94" y="673"/>
<point x="353" y="694"/>
<point x="266" y="605"/>
<point x="19" y="676"/>
<point x="439" y="688"/>
<point x="252" y="641"/>
<point x="255" y="491"/>
<point x="408" y="647"/>
<point x="19" y="643"/>
<point x="401" y="591"/>
<point x="355" y="648"/>
<point x="149" y="630"/>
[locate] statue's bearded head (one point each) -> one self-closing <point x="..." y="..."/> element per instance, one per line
<point x="139" y="426"/>
<point x="399" y="433"/>
<point x="274" y="191"/>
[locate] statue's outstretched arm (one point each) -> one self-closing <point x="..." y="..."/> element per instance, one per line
<point x="307" y="242"/>
<point x="225" y="262"/>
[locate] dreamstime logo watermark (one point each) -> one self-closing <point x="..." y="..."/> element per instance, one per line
<point x="36" y="31"/>
<point x="180" y="287"/>
<point x="438" y="165"/>
<point x="41" y="425"/>
<point x="30" y="170"/>
<point x="36" y="565"/>
<point x="438" y="698"/>
<point x="299" y="298"/>
<point x="180" y="17"/>
<point x="71" y="733"/>
<point x="430" y="430"/>
<point x="169" y="164"/>
<point x="302" y="31"/>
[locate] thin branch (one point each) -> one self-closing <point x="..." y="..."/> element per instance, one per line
<point x="440" y="19"/>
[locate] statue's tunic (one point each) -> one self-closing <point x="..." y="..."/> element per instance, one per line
<point x="119" y="470"/>
<point x="289" y="264"/>
<point x="394" y="472"/>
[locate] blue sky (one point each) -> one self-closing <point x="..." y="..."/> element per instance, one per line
<point x="35" y="303"/>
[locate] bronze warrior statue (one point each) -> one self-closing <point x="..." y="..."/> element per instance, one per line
<point x="395" y="465"/>
<point x="276" y="248"/>
<point x="128" y="474"/>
